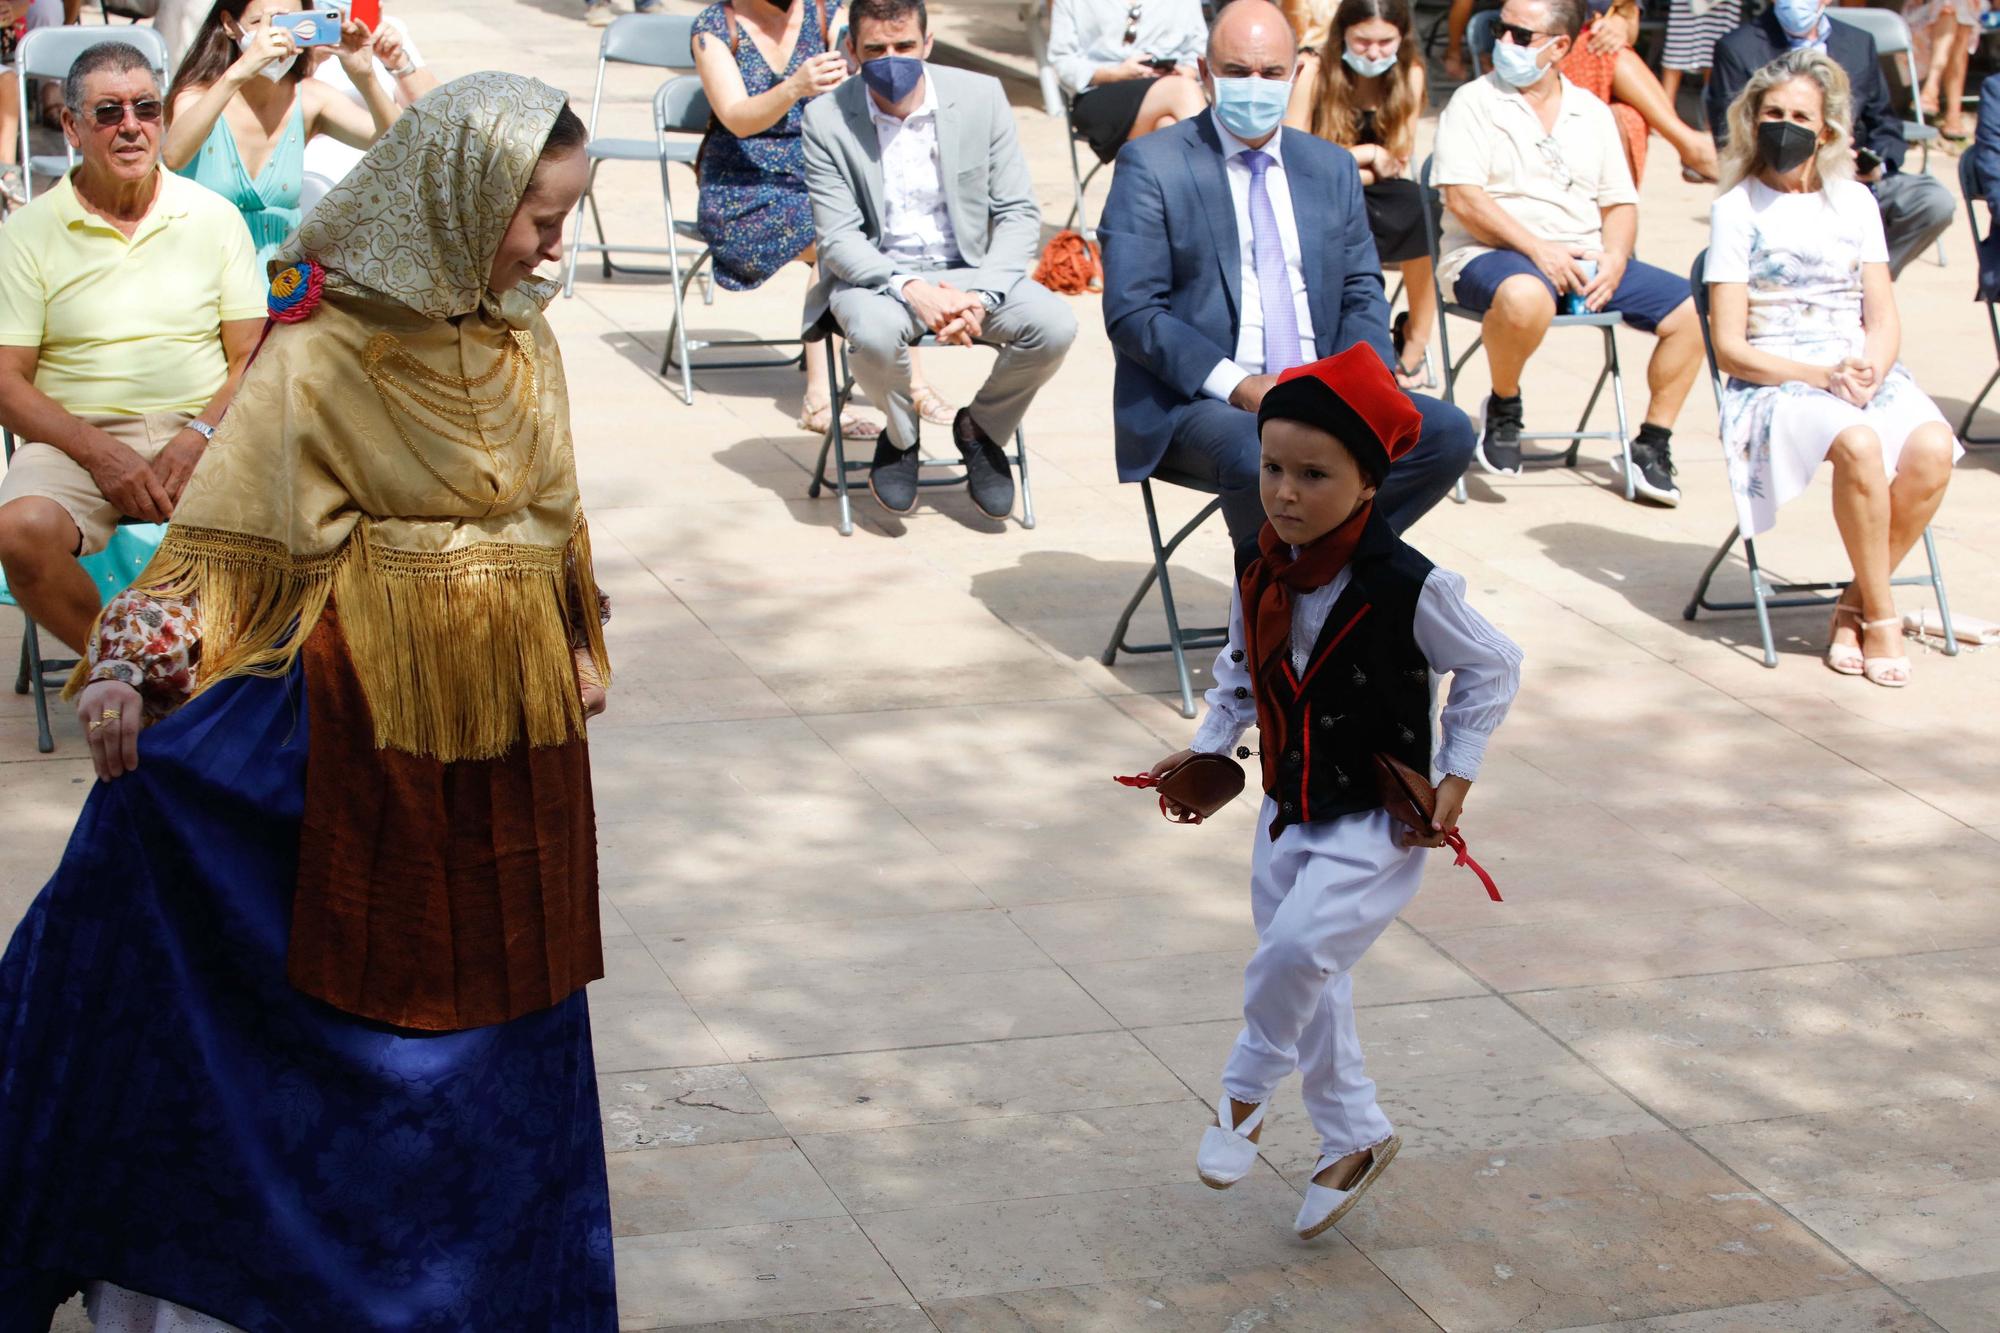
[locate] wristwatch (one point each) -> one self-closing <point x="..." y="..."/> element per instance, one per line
<point x="203" y="429"/>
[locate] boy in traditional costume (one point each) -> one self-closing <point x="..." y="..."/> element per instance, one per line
<point x="1336" y="628"/>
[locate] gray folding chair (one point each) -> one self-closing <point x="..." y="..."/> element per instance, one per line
<point x="1767" y="594"/>
<point x="840" y="378"/>
<point x="48" y="53"/>
<point x="680" y="108"/>
<point x="1079" y="179"/>
<point x="1604" y="321"/>
<point x="654" y="41"/>
<point x="1974" y="191"/>
<point x="1892" y="39"/>
<point x="1180" y="640"/>
<point x="1479" y="39"/>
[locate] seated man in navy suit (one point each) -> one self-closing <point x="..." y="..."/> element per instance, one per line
<point x="1206" y="302"/>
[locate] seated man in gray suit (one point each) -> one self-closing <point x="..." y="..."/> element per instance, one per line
<point x="927" y="224"/>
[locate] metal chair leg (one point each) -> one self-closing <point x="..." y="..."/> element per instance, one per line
<point x="1618" y="401"/>
<point x="1178" y="640"/>
<point x="1937" y="588"/>
<point x="1021" y="467"/>
<point x="1762" y="597"/>
<point x="1965" y="435"/>
<point x="838" y="387"/>
<point x="1700" y="597"/>
<point x="31" y="664"/>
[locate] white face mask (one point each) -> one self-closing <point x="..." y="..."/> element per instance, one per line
<point x="274" y="70"/>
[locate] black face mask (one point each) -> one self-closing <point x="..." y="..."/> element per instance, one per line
<point x="1783" y="145"/>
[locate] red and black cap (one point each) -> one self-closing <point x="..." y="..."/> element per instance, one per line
<point x="1352" y="396"/>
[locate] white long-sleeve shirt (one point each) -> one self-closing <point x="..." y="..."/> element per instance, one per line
<point x="1485" y="667"/>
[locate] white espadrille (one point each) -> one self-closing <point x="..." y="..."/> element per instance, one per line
<point x="1326" y="1205"/>
<point x="1227" y="1154"/>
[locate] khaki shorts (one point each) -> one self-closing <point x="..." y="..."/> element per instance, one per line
<point x="46" y="471"/>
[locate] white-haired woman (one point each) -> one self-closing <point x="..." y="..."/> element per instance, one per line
<point x="1805" y="328"/>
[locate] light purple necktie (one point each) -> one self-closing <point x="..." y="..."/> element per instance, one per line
<point x="1274" y="279"/>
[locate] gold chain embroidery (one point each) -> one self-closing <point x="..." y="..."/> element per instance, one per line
<point x="466" y="421"/>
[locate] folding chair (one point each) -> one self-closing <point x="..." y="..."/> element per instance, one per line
<point x="1604" y="321"/>
<point x="1079" y="215"/>
<point x="1035" y="22"/>
<point x="1766" y="594"/>
<point x="840" y="379"/>
<point x="48" y="53"/>
<point x="1892" y="39"/>
<point x="1479" y="39"/>
<point x="1972" y="188"/>
<point x="680" y="108"/>
<point x="131" y="546"/>
<point x="1179" y="640"/>
<point x="655" y="41"/>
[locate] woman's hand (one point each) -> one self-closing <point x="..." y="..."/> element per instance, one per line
<point x="1451" y="796"/>
<point x="1854" y="380"/>
<point x="388" y="48"/>
<point x="111" y="714"/>
<point x="819" y="74"/>
<point x="1608" y="36"/>
<point x="588" y="686"/>
<point x="269" y="44"/>
<point x="1126" y="70"/>
<point x="1177" y="757"/>
<point x="357" y="51"/>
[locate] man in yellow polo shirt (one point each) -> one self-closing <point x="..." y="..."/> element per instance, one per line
<point x="129" y="304"/>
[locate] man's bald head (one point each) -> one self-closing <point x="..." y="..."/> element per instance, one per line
<point x="1250" y="39"/>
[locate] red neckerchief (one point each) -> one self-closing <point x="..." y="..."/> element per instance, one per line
<point x="1277" y="573"/>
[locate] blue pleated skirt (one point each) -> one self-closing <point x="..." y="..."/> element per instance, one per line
<point x="176" y="1119"/>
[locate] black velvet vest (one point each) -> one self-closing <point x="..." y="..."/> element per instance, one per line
<point x="1365" y="689"/>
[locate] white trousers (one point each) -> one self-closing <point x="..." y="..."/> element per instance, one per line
<point x="1320" y="894"/>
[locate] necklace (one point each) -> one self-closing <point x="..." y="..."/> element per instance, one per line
<point x="452" y="408"/>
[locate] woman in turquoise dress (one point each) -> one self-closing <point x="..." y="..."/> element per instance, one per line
<point x="241" y="109"/>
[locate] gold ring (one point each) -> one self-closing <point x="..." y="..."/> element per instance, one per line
<point x="97" y="726"/>
<point x="109" y="715"/>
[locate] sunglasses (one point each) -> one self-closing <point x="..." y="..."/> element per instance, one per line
<point x="1132" y="23"/>
<point x="110" y="115"/>
<point x="1519" y="35"/>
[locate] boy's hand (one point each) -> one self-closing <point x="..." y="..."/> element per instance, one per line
<point x="1451" y="794"/>
<point x="1177" y="757"/>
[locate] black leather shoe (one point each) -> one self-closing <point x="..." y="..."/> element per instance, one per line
<point x="986" y="472"/>
<point x="892" y="477"/>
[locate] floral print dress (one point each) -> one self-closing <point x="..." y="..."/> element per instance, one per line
<point x="1800" y="257"/>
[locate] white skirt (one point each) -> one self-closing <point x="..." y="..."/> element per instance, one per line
<point x="1775" y="436"/>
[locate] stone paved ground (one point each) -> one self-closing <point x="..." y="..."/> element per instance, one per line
<point x="912" y="1014"/>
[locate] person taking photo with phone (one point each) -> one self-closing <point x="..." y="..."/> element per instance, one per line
<point x="241" y="109"/>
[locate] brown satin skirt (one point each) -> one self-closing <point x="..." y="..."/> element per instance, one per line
<point x="437" y="896"/>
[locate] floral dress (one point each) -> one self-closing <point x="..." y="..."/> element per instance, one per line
<point x="1800" y="257"/>
<point x="754" y="209"/>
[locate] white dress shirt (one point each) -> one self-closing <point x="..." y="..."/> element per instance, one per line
<point x="916" y="224"/>
<point x="1485" y="667"/>
<point x="1222" y="380"/>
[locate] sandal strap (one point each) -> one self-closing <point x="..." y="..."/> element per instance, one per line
<point x="1877" y="624"/>
<point x="1225" y="1116"/>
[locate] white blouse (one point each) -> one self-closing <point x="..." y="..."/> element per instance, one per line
<point x="1086" y="35"/>
<point x="1485" y="667"/>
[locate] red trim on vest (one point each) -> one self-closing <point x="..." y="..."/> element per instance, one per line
<point x="1327" y="652"/>
<point x="1306" y="777"/>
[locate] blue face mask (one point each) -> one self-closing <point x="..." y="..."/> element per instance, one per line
<point x="1367" y="68"/>
<point x="1799" y="18"/>
<point x="892" y="78"/>
<point x="1516" y="65"/>
<point x="1251" y="108"/>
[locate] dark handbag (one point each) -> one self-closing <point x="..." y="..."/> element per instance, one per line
<point x="1412" y="801"/>
<point x="1201" y="784"/>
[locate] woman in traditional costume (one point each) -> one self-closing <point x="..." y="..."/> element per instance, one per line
<point x="296" y="1037"/>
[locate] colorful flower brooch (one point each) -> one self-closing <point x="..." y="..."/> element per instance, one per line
<point x="295" y="291"/>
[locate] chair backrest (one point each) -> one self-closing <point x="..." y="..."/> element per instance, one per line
<point x="1970" y="186"/>
<point x="680" y="106"/>
<point x="1479" y="39"/>
<point x="1433" y="205"/>
<point x="663" y="41"/>
<point x="48" y="53"/>
<point x="1698" y="283"/>
<point x="1892" y="39"/>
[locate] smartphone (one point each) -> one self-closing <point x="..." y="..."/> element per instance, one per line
<point x="1866" y="160"/>
<point x="1164" y="66"/>
<point x="312" y="28"/>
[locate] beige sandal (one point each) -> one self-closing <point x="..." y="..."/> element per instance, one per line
<point x="1844" y="658"/>
<point x="1891" y="673"/>
<point x="932" y="407"/>
<point x="818" y="420"/>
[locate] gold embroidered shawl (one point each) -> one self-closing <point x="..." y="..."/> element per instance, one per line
<point x="347" y="467"/>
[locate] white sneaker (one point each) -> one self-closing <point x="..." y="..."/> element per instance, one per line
<point x="599" y="14"/>
<point x="1326" y="1205"/>
<point x="1226" y="1155"/>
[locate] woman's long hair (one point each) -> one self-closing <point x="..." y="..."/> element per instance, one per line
<point x="1335" y="117"/>
<point x="1835" y="161"/>
<point x="213" y="51"/>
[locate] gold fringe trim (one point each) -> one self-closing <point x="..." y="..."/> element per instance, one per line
<point x="461" y="654"/>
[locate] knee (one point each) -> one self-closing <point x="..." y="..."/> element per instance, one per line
<point x="1935" y="207"/>
<point x="1857" y="452"/>
<point x="872" y="336"/>
<point x="1926" y="456"/>
<point x="1523" y="302"/>
<point x="1293" y="954"/>
<point x="1184" y="97"/>
<point x="34" y="533"/>
<point x="1052" y="330"/>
